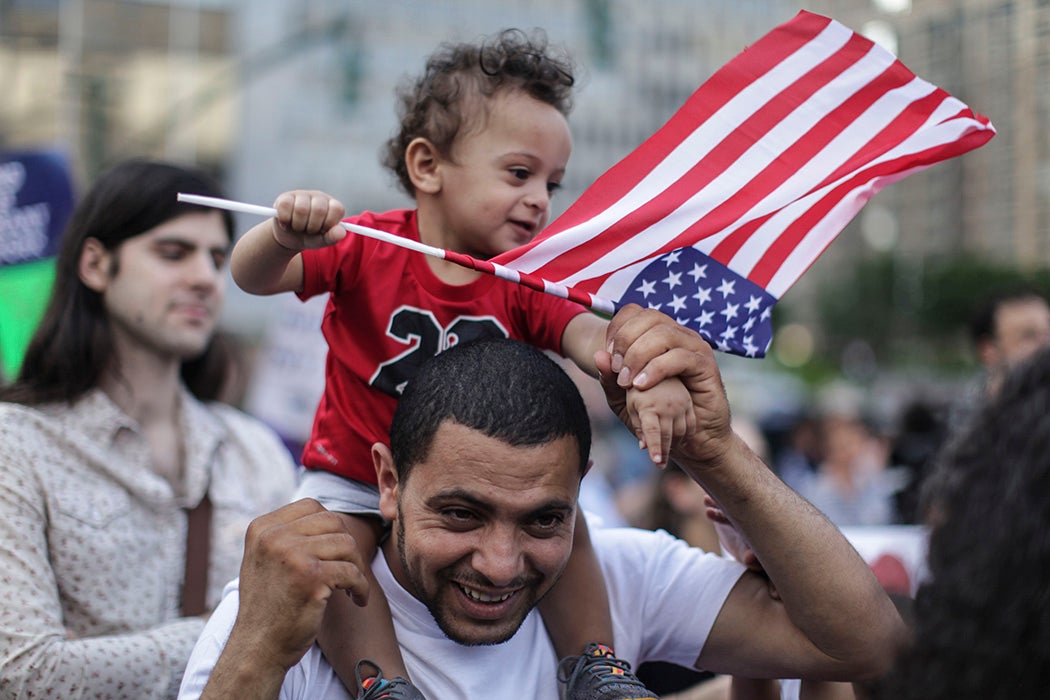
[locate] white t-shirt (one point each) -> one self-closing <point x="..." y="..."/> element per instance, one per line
<point x="664" y="597"/>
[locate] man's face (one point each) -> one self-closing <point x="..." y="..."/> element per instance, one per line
<point x="483" y="529"/>
<point x="163" y="289"/>
<point x="1021" y="328"/>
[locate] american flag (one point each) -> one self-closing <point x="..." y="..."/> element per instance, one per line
<point x="718" y="213"/>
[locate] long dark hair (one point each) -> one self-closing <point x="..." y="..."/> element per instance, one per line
<point x="982" y="620"/>
<point x="73" y="343"/>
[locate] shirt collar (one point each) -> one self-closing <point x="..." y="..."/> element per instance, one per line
<point x="202" y="432"/>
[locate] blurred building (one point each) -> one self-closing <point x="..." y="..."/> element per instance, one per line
<point x="105" y="79"/>
<point x="994" y="55"/>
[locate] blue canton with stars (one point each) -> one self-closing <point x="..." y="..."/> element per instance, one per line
<point x="732" y="313"/>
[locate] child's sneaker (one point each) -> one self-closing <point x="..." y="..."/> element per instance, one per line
<point x="375" y="687"/>
<point x="598" y="675"/>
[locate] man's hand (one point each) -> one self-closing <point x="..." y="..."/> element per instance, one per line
<point x="646" y="347"/>
<point x="307" y="219"/>
<point x="295" y="558"/>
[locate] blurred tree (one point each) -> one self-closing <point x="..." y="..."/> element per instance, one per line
<point x="912" y="311"/>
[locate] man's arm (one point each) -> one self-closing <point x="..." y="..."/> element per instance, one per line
<point x="295" y="559"/>
<point x="833" y="620"/>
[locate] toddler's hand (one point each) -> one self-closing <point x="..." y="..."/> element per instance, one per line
<point x="660" y="416"/>
<point x="307" y="219"/>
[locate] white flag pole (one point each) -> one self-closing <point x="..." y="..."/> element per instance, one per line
<point x="600" y="304"/>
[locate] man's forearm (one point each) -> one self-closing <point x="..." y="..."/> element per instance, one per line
<point x="828" y="591"/>
<point x="239" y="673"/>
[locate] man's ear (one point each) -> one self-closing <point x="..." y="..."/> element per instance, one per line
<point x="423" y="161"/>
<point x="94" y="265"/>
<point x="386" y="479"/>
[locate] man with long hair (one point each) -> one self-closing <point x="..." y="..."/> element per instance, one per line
<point x="125" y="490"/>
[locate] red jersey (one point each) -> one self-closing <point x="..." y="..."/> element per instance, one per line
<point x="387" y="313"/>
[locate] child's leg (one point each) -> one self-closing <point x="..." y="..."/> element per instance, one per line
<point x="576" y="613"/>
<point x="350" y="633"/>
<point x="576" y="610"/>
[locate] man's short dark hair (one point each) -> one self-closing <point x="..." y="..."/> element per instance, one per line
<point x="502" y="388"/>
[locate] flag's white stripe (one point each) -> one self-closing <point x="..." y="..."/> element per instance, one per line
<point x="807" y="251"/>
<point x="558" y="290"/>
<point x="694" y="147"/>
<point x="931" y="133"/>
<point x="762" y="153"/>
<point x="838" y="151"/>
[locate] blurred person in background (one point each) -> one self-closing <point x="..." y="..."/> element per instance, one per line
<point x="982" y="617"/>
<point x="797" y="460"/>
<point x="1006" y="327"/>
<point x="920" y="432"/>
<point x="853" y="484"/>
<point x="125" y="490"/>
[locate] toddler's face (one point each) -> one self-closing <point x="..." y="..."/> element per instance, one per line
<point x="504" y="167"/>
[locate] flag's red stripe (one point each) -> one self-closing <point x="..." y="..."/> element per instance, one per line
<point x="774" y="257"/>
<point x="903" y="126"/>
<point x="754" y="62"/>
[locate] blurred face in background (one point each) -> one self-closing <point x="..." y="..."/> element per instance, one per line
<point x="163" y="289"/>
<point x="1022" y="327"/>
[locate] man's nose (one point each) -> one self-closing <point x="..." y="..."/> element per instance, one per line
<point x="499" y="557"/>
<point x="202" y="271"/>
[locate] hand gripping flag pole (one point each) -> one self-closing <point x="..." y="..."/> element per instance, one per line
<point x="719" y="212"/>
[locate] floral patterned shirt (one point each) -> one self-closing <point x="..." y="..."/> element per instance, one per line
<point x="93" y="541"/>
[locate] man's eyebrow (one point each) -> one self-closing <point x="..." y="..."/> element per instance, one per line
<point x="459" y="495"/>
<point x="188" y="244"/>
<point x="174" y="240"/>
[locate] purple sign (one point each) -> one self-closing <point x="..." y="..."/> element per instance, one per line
<point x="36" y="199"/>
